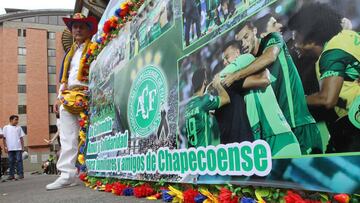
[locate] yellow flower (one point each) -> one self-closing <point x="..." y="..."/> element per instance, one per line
<point x="259" y="198"/>
<point x="93" y="46"/>
<point x="177" y="194"/>
<point x="82" y="135"/>
<point x="81" y="159"/>
<point x="210" y="197"/>
<point x="123" y="5"/>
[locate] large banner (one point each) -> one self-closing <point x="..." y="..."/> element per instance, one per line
<point x="259" y="92"/>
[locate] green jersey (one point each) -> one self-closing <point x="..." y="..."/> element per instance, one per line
<point x="287" y="86"/>
<point x="341" y="58"/>
<point x="197" y="118"/>
<point x="265" y="116"/>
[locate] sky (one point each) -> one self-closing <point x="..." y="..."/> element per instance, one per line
<point x="36" y="4"/>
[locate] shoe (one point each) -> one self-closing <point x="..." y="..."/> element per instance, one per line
<point x="10" y="178"/>
<point x="60" y="183"/>
<point x="21" y="177"/>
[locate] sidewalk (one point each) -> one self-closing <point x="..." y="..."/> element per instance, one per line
<point x="32" y="189"/>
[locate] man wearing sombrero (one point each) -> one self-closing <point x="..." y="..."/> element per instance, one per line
<point x="72" y="80"/>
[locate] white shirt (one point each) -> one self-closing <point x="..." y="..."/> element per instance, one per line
<point x="12" y="134"/>
<point x="74" y="69"/>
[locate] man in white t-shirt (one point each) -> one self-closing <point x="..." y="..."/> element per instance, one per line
<point x="14" y="146"/>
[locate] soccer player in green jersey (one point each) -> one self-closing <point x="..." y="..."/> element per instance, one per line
<point x="198" y="125"/>
<point x="338" y="68"/>
<point x="266" y="118"/>
<point x="271" y="52"/>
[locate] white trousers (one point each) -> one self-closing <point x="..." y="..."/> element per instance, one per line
<point x="69" y="135"/>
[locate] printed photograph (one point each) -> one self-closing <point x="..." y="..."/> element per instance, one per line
<point x="288" y="75"/>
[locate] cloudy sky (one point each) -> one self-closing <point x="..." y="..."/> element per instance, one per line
<point x="36" y="4"/>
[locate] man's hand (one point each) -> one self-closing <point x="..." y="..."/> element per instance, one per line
<point x="57" y="105"/>
<point x="229" y="80"/>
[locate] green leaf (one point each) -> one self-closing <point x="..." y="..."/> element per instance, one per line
<point x="248" y="190"/>
<point x="324" y="197"/>
<point x="262" y="192"/>
<point x="237" y="191"/>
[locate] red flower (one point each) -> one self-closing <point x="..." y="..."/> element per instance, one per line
<point x="342" y="198"/>
<point x="226" y="196"/>
<point x="293" y="197"/>
<point x="189" y="195"/>
<point x="107" y="26"/>
<point x="118" y="188"/>
<point x="83" y="176"/>
<point x="108" y="187"/>
<point x="98" y="183"/>
<point x="82" y="122"/>
<point x="143" y="191"/>
<point x="158" y="195"/>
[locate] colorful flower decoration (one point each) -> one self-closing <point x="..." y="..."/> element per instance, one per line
<point x="189" y="195"/>
<point x="143" y="191"/>
<point x="128" y="191"/>
<point x="118" y="188"/>
<point x="200" y="198"/>
<point x="203" y="195"/>
<point x="166" y="197"/>
<point x="227" y="196"/>
<point x="247" y="200"/>
<point x="211" y="198"/>
<point x="342" y="198"/>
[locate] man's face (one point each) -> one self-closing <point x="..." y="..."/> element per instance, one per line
<point x="247" y="36"/>
<point x="230" y="54"/>
<point x="80" y="31"/>
<point x="15" y="121"/>
<point x="273" y="26"/>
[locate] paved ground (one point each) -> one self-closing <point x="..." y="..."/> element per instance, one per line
<point x="32" y="189"/>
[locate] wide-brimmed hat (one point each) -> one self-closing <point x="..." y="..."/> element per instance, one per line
<point x="78" y="17"/>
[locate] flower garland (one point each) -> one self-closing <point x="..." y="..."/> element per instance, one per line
<point x="181" y="193"/>
<point x="127" y="10"/>
<point x="83" y="122"/>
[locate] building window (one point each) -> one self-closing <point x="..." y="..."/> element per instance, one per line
<point x="22" y="51"/>
<point x="51" y="35"/>
<point x="51" y="52"/>
<point x="21" y="68"/>
<point x="53" y="20"/>
<point x="52" y="88"/>
<point x="51" y="108"/>
<point x="21" y="88"/>
<point x="44" y="19"/>
<point x="21" y="32"/>
<point x="52" y="129"/>
<point x="24" y="128"/>
<point x="21" y="109"/>
<point x="29" y="20"/>
<point x="52" y="69"/>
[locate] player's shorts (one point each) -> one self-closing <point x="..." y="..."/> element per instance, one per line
<point x="283" y="145"/>
<point x="309" y="138"/>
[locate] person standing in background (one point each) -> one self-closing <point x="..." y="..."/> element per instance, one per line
<point x="14" y="146"/>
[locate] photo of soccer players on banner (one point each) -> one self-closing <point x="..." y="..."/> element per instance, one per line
<point x="289" y="75"/>
<point x="201" y="17"/>
<point x="156" y="18"/>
